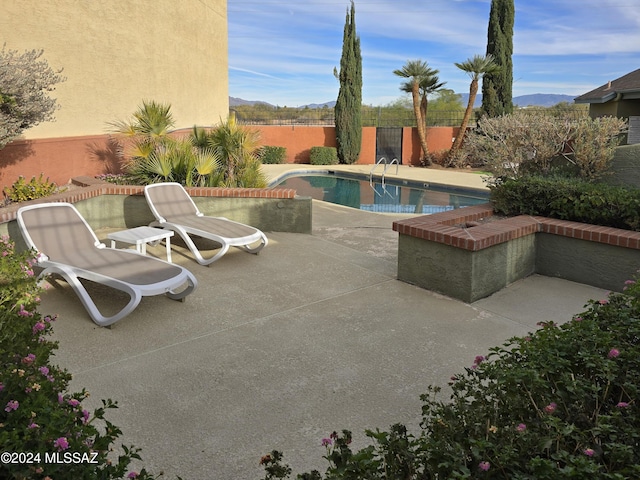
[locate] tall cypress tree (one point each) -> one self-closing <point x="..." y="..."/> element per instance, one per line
<point x="349" y="102"/>
<point x="497" y="94"/>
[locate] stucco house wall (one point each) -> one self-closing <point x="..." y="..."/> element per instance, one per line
<point x="117" y="53"/>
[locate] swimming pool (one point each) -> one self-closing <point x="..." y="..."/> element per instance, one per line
<point x="395" y="196"/>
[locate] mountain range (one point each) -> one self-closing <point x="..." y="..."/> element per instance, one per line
<point x="534" y="100"/>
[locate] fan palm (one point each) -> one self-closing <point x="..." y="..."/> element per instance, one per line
<point x="233" y="146"/>
<point x="149" y="128"/>
<point x="422" y="80"/>
<point x="476" y="68"/>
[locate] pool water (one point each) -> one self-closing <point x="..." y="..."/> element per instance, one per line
<point x="389" y="198"/>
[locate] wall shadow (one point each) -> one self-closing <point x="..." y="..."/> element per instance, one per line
<point x="108" y="153"/>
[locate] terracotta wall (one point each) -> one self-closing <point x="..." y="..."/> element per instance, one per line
<point x="438" y="139"/>
<point x="298" y="140"/>
<point x="61" y="159"/>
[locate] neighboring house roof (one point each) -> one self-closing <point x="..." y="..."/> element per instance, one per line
<point x="626" y="87"/>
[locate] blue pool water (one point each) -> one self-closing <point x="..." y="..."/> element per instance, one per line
<point x="396" y="197"/>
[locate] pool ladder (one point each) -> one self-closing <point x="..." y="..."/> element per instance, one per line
<point x="383" y="160"/>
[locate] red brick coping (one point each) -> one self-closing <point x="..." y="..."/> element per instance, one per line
<point x="92" y="187"/>
<point x="440" y="227"/>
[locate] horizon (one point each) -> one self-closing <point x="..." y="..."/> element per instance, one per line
<point x="283" y="53"/>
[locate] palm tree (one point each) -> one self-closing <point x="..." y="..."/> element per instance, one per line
<point x="422" y="81"/>
<point x="476" y="68"/>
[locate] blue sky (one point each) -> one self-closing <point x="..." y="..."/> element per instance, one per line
<point x="283" y="52"/>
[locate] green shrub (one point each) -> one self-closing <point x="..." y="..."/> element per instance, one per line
<point x="323" y="156"/>
<point x="269" y="154"/>
<point x="568" y="199"/>
<point x="38" y="415"/>
<point x="558" y="403"/>
<point x="21" y="190"/>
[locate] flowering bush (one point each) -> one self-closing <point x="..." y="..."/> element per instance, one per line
<point x="45" y="431"/>
<point x="558" y="403"/>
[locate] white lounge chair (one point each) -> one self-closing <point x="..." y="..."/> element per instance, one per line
<point x="67" y="246"/>
<point x="175" y="210"/>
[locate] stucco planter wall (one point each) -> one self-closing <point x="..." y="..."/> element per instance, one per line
<point x="443" y="253"/>
<point x="104" y="205"/>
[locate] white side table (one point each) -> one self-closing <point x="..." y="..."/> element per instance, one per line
<point x="140" y="236"/>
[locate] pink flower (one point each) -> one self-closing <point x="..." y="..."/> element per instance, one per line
<point x="73" y="402"/>
<point x="521" y="427"/>
<point x="589" y="452"/>
<point x="61" y="443"/>
<point x="613" y="353"/>
<point x="85" y="416"/>
<point x="38" y="327"/>
<point x="32" y="425"/>
<point x="622" y="405"/>
<point x="132" y="475"/>
<point x="44" y="370"/>
<point x="484" y="466"/>
<point x="29" y="359"/>
<point x="551" y="407"/>
<point x="326" y="442"/>
<point x="24" y="313"/>
<point x="479" y="359"/>
<point x="603" y="302"/>
<point x="12" y="405"/>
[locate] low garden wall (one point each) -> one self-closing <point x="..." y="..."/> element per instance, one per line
<point x="115" y="206"/>
<point x="469" y="254"/>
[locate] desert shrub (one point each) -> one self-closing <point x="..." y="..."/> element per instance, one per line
<point x="21" y="190"/>
<point x="41" y="419"/>
<point x="524" y="143"/>
<point x="269" y="154"/>
<point x="323" y="156"/>
<point x="25" y="82"/>
<point x="558" y="403"/>
<point x="568" y="199"/>
<point x="593" y="144"/>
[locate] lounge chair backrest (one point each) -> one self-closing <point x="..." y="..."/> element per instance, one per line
<point x="56" y="229"/>
<point x="170" y="201"/>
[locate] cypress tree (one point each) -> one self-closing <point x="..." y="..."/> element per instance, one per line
<point x="349" y="103"/>
<point x="497" y="95"/>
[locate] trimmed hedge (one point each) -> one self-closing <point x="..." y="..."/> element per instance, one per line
<point x="568" y="199"/>
<point x="269" y="154"/>
<point x="323" y="156"/>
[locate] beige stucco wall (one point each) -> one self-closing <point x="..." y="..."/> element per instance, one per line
<point x="119" y="52"/>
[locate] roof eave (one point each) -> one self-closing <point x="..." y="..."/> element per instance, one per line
<point x="605" y="99"/>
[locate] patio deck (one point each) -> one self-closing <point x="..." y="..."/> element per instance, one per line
<point x="276" y="351"/>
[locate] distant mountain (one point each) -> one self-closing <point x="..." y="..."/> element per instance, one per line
<point x="235" y="102"/>
<point x="534" y="100"/>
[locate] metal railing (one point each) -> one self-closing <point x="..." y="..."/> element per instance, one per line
<point x="382" y="160"/>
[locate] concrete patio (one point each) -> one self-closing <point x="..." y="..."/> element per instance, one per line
<point x="278" y="350"/>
